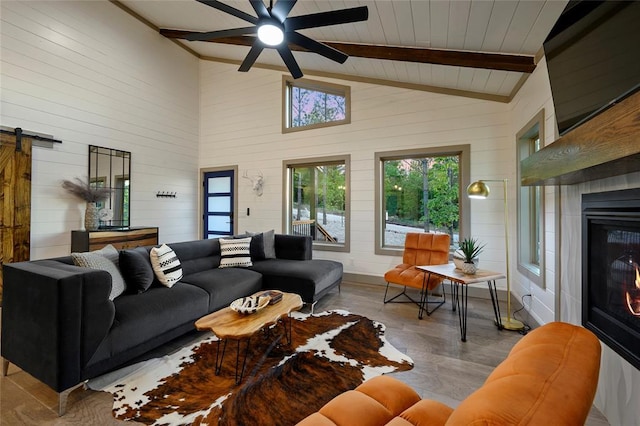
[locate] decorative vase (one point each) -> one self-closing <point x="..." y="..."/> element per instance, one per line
<point x="91" y="218"/>
<point x="469" y="268"/>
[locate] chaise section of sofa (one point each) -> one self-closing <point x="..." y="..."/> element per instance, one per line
<point x="549" y="378"/>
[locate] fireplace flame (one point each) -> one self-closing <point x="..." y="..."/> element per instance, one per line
<point x="633" y="297"/>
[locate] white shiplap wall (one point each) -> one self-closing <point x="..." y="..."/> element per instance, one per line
<point x="88" y="73"/>
<point x="534" y="96"/>
<point x="241" y="125"/>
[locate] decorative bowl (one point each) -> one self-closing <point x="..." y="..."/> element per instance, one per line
<point x="250" y="304"/>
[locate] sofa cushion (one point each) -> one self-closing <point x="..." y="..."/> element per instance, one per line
<point x="304" y="277"/>
<point x="166" y="265"/>
<point x="235" y="252"/>
<point x="136" y="269"/>
<point x="98" y="261"/>
<point x="225" y="285"/>
<point x="197" y="256"/>
<point x="141" y="317"/>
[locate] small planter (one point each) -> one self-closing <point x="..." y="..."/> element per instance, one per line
<point x="469" y="268"/>
<point x="469" y="251"/>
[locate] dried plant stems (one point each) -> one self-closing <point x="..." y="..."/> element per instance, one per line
<point x="85" y="191"/>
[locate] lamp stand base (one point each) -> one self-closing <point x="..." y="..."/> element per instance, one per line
<point x="511" y="324"/>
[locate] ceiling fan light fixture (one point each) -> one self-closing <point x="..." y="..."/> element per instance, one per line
<point x="270" y="34"/>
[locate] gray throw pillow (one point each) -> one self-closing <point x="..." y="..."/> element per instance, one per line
<point x="268" y="239"/>
<point x="268" y="249"/>
<point x="95" y="260"/>
<point x="110" y="252"/>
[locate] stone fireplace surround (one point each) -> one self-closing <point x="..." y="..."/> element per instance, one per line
<point x="619" y="385"/>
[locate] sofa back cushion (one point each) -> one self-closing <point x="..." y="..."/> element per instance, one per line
<point x="197" y="256"/>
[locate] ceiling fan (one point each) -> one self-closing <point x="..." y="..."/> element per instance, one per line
<point x="274" y="29"/>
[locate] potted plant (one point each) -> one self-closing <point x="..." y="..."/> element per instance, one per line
<point x="470" y="248"/>
<point x="91" y="195"/>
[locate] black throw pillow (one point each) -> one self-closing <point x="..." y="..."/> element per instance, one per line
<point x="136" y="269"/>
<point x="256" y="248"/>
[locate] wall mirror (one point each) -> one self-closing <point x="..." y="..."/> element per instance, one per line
<point x="111" y="168"/>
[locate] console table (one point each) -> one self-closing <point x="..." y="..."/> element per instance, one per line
<point x="461" y="281"/>
<point x="121" y="239"/>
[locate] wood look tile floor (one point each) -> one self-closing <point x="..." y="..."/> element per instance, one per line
<point x="446" y="369"/>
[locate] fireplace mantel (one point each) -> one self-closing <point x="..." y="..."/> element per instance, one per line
<point x="607" y="145"/>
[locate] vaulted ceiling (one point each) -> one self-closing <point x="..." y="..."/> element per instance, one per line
<point x="477" y="48"/>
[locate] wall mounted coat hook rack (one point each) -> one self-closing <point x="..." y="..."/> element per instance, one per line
<point x="164" y="194"/>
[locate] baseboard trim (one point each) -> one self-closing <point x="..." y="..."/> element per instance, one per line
<point x="479" y="290"/>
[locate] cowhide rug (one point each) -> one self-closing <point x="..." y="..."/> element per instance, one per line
<point x="330" y="353"/>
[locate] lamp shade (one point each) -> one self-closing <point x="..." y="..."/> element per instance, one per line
<point x="478" y="189"/>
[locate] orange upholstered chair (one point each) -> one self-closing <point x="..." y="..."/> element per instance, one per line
<point x="420" y="249"/>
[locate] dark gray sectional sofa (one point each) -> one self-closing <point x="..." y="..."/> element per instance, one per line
<point x="59" y="325"/>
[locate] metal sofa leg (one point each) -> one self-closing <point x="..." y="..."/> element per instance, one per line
<point x="63" y="396"/>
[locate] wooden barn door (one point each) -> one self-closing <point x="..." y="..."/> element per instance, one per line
<point x="15" y="200"/>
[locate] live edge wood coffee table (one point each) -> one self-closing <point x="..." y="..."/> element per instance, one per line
<point x="228" y="324"/>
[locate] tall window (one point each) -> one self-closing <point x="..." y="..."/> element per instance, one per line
<point x="419" y="191"/>
<point x="317" y="201"/>
<point x="531" y="206"/>
<point x="311" y="104"/>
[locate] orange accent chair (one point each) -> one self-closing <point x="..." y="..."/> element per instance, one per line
<point x="420" y="249"/>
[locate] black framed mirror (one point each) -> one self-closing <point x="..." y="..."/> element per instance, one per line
<point x="111" y="168"/>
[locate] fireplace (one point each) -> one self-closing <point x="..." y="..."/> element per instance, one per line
<point x="611" y="270"/>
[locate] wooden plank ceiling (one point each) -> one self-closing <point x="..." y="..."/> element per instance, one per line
<point x="479" y="48"/>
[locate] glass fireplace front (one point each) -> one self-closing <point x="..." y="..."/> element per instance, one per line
<point x="611" y="270"/>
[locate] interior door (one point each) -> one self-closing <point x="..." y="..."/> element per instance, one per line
<point x="218" y="215"/>
<point x="15" y="201"/>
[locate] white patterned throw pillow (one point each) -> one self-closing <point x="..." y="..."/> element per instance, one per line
<point x="166" y="265"/>
<point x="235" y="253"/>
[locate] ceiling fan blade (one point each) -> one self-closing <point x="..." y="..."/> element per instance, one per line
<point x="253" y="54"/>
<point x="317" y="47"/>
<point x="282" y="8"/>
<point x="230" y="10"/>
<point x="323" y="19"/>
<point x="289" y="61"/>
<point x="260" y="8"/>
<point x="211" y="35"/>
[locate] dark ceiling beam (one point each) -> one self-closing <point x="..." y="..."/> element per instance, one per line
<point x="492" y="61"/>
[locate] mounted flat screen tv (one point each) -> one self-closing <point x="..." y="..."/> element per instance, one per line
<point x="593" y="59"/>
